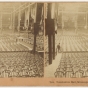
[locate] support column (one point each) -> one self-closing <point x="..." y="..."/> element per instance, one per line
<point x="11" y="21"/>
<point x="13" y="17"/>
<point x="50" y="48"/>
<point x="76" y="24"/>
<point x="86" y="20"/>
<point x="62" y="22"/>
<point x="34" y="47"/>
<point x="28" y="20"/>
<point x="54" y="46"/>
<point x="28" y="14"/>
<point x="14" y="22"/>
<point x="19" y="18"/>
<point x="50" y="31"/>
<point x="1" y="23"/>
<point x="49" y="35"/>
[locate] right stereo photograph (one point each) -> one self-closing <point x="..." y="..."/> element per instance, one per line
<point x="66" y="40"/>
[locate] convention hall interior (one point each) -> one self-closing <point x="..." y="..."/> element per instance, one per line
<point x="66" y="24"/>
<point x="21" y="39"/>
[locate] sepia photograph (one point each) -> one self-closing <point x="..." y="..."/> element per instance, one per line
<point x="66" y="40"/>
<point x="43" y="43"/>
<point x="21" y="39"/>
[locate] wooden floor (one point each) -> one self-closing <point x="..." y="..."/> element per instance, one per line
<point x="50" y="69"/>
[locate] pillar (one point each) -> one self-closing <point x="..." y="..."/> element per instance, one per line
<point x="19" y="19"/>
<point x="86" y="20"/>
<point x="13" y="23"/>
<point x="1" y="23"/>
<point x="62" y="22"/>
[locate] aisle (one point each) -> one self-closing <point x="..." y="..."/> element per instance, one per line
<point x="26" y="45"/>
<point x="50" y="69"/>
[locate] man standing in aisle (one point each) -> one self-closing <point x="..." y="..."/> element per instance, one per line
<point x="58" y="47"/>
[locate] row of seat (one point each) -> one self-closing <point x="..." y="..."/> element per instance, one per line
<point x="9" y="43"/>
<point x="21" y="64"/>
<point x="68" y="43"/>
<point x="17" y="61"/>
<point x="73" y="65"/>
<point x="30" y="41"/>
<point x="11" y="46"/>
<point x="71" y="43"/>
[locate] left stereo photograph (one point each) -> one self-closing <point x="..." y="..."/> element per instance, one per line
<point x="21" y="39"/>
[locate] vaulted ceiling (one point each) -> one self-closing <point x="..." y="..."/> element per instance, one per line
<point x="72" y="7"/>
<point x="10" y="6"/>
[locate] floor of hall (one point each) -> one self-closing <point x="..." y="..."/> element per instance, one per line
<point x="50" y="69"/>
